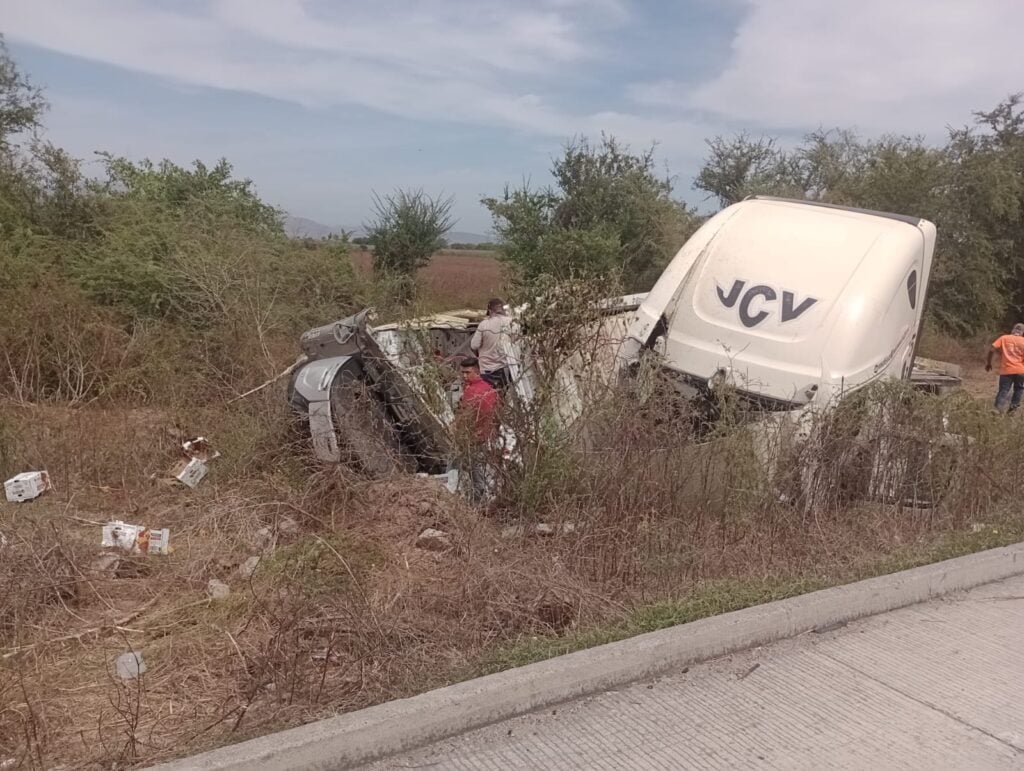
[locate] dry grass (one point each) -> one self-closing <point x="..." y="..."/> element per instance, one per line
<point x="344" y="610"/>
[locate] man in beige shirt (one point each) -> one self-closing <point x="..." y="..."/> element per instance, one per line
<point x="492" y="343"/>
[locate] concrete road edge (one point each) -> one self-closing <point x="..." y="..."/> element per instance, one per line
<point x="376" y="732"/>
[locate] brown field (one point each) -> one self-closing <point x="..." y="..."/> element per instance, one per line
<point x="454" y="278"/>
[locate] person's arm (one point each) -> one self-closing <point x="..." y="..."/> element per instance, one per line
<point x="991" y="354"/>
<point x="477" y="340"/>
<point x="465" y="419"/>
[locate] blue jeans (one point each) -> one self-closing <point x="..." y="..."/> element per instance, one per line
<point x="1006" y="384"/>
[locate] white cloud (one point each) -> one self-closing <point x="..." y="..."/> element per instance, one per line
<point x="878" y="65"/>
<point x="613" y="10"/>
<point x="481" y="61"/>
<point x="433" y="38"/>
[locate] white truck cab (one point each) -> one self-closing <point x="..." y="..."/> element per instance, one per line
<point x="792" y="302"/>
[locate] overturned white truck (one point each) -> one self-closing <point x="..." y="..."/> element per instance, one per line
<point x="794" y="302"/>
<point x="791" y="304"/>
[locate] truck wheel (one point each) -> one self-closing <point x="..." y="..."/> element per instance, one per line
<point x="367" y="438"/>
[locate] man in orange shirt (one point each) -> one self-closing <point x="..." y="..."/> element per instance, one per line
<point x="1011" y="367"/>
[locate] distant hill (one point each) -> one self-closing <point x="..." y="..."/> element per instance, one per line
<point x="461" y="237"/>
<point x="300" y="227"/>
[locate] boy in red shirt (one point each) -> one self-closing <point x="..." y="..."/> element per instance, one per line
<point x="479" y="403"/>
<point x="1011" y="367"/>
<point x="477" y="424"/>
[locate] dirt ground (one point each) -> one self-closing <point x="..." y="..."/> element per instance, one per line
<point x="969" y="356"/>
<point x="329" y="605"/>
<point x="322" y="598"/>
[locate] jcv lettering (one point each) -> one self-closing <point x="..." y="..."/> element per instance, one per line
<point x="788" y="310"/>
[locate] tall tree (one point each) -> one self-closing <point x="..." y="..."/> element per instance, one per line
<point x="609" y="212"/>
<point x="988" y="170"/>
<point x="742" y="166"/>
<point x="21" y="104"/>
<point x="211" y="189"/>
<point x="408" y="227"/>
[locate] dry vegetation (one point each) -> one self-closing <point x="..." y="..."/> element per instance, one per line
<point x="343" y="610"/>
<point x="969" y="355"/>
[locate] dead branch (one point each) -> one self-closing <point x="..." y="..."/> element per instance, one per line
<point x="78" y="637"/>
<point x="284" y="373"/>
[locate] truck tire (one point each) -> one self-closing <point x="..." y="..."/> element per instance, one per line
<point x="368" y="439"/>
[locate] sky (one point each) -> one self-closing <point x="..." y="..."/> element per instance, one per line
<point x="323" y="102"/>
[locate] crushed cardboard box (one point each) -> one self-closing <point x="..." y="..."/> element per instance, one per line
<point x="136" y="539"/>
<point x="190" y="472"/>
<point x="27" y="486"/>
<point x="193" y="467"/>
<point x="130" y="665"/>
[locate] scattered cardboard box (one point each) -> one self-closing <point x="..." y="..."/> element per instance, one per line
<point x="434" y="540"/>
<point x="218" y="589"/>
<point x="198" y="453"/>
<point x="199" y="447"/>
<point x="449" y="479"/>
<point x="190" y="472"/>
<point x="136" y="539"/>
<point x="27" y="486"/>
<point x="248" y="568"/>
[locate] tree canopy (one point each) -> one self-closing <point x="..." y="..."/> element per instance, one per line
<point x="408" y="227"/>
<point x="972" y="188"/>
<point x="608" y="212"/>
<point x="146" y="277"/>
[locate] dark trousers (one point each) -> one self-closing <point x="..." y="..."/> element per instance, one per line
<point x="477" y="471"/>
<point x="1009" y="383"/>
<point x="499" y="378"/>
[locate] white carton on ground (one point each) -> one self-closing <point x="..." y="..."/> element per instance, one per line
<point x="27" y="486"/>
<point x="200" y="448"/>
<point x="190" y="473"/>
<point x="135" y="539"/>
<point x="450" y="479"/>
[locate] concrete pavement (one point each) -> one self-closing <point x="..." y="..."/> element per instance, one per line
<point x="932" y="686"/>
